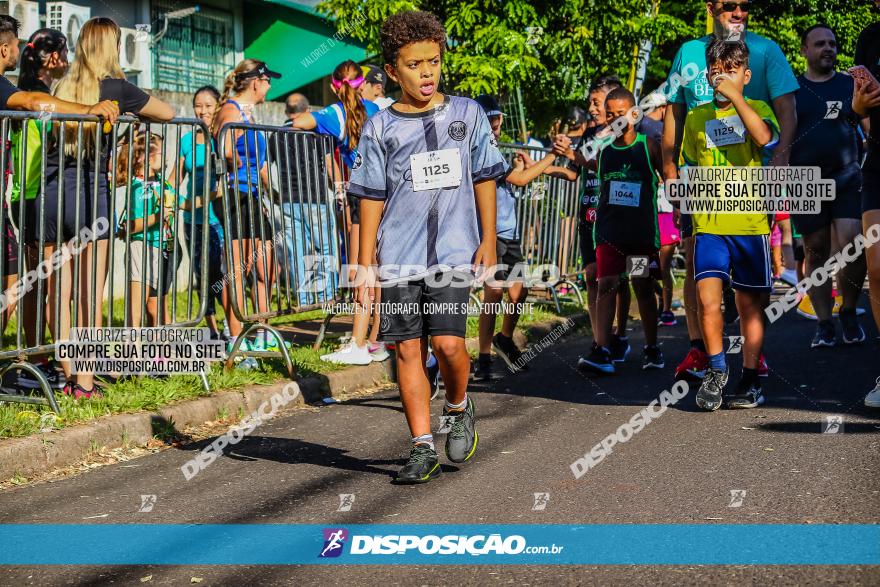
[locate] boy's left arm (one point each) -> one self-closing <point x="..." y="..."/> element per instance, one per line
<point x="761" y="133"/>
<point x="785" y="108"/>
<point x="484" y="193"/>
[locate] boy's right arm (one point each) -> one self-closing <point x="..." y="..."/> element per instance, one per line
<point x="371" y="214"/>
<point x="759" y="131"/>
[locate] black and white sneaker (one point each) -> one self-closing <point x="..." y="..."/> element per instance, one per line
<point x="709" y="396"/>
<point x="825" y="334"/>
<point x="599" y="360"/>
<point x="849" y="324"/>
<point x="25" y="380"/>
<point x="620" y="348"/>
<point x="747" y="395"/>
<point x="653" y="358"/>
<point x="483" y="369"/>
<point x="509" y="353"/>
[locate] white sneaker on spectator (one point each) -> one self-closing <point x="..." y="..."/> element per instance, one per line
<point x="872" y="400"/>
<point x="350" y="354"/>
<point x="248" y="364"/>
<point x="378" y="352"/>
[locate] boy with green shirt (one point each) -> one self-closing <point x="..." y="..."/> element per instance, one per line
<point x="730" y="247"/>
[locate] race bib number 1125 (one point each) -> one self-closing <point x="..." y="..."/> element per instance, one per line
<point x="435" y="169"/>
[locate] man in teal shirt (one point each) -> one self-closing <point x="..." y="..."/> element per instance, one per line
<point x="772" y="82"/>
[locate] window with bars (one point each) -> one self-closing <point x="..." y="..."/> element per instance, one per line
<point x="196" y="50"/>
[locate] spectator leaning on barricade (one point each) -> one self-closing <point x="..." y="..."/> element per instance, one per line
<point x="772" y="82"/>
<point x="308" y="220"/>
<point x="43" y="61"/>
<point x="190" y="173"/>
<point x="246" y="158"/>
<point x="12" y="98"/>
<point x="508" y="255"/>
<point x="94" y="74"/>
<point x="827" y="138"/>
<point x="373" y="88"/>
<point x="866" y="103"/>
<point x="344" y="121"/>
<point x="149" y="221"/>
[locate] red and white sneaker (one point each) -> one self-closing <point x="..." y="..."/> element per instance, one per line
<point x="763" y="369"/>
<point x="694" y="365"/>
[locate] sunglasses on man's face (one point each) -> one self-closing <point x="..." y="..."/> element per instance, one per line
<point x="731" y="6"/>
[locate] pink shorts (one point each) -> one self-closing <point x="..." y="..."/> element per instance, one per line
<point x="669" y="234"/>
<point x="776" y="236"/>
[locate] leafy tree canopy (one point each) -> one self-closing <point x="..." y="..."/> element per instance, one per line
<point x="552" y="50"/>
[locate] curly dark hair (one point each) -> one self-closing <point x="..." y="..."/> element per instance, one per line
<point x="409" y="26"/>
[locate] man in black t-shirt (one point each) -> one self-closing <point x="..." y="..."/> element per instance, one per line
<point x="827" y="137"/>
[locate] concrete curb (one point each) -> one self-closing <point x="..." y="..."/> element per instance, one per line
<point x="42" y="453"/>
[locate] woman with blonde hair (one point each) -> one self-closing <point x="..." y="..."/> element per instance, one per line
<point x="94" y="75"/>
<point x="248" y="180"/>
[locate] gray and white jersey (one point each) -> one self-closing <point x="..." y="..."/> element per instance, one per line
<point x="428" y="230"/>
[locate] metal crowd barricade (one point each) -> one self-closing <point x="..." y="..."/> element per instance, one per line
<point x="281" y="217"/>
<point x="60" y="291"/>
<point x="161" y="271"/>
<point x="547" y="217"/>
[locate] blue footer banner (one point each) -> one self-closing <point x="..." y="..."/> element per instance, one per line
<point x="470" y="544"/>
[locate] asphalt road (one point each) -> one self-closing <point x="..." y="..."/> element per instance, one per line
<point x="679" y="469"/>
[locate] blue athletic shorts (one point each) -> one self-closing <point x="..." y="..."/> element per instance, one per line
<point x="743" y="260"/>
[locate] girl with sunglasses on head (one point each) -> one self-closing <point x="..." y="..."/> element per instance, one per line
<point x="249" y="229"/>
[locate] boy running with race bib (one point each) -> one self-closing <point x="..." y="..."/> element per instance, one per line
<point x="626" y="232"/>
<point x="730" y="131"/>
<point x="425" y="174"/>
